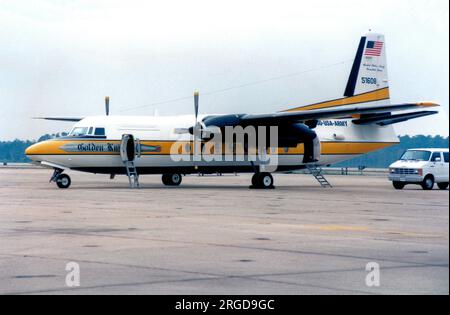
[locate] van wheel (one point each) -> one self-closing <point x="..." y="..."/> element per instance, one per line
<point x="172" y="179"/>
<point x="428" y="183"/>
<point x="398" y="185"/>
<point x="443" y="186"/>
<point x="63" y="181"/>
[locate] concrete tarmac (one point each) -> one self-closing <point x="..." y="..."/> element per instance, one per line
<point x="213" y="235"/>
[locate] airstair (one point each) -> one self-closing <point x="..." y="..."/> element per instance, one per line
<point x="316" y="171"/>
<point x="132" y="174"/>
<point x="129" y="149"/>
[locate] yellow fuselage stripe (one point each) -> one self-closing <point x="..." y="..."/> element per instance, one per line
<point x="53" y="147"/>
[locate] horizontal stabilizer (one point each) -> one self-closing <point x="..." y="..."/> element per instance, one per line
<point x="389" y="119"/>
<point x="74" y="119"/>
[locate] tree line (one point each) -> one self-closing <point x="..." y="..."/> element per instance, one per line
<point x="14" y="151"/>
<point x="385" y="157"/>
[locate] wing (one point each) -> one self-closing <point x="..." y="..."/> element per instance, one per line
<point x="339" y="113"/>
<point x="74" y="119"/>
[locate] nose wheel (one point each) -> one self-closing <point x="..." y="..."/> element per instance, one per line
<point x="62" y="180"/>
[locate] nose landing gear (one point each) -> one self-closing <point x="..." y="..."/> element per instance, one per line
<point x="63" y="181"/>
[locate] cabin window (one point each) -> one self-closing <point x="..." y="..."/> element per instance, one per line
<point x="90" y="130"/>
<point x="99" y="131"/>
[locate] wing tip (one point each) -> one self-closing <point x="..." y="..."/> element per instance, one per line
<point x="428" y="104"/>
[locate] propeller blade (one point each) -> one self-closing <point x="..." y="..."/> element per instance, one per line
<point x="196" y="97"/>
<point x="195" y="129"/>
<point x="107" y="105"/>
<point x="74" y="119"/>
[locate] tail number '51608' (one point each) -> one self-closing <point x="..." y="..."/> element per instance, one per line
<point x="366" y="80"/>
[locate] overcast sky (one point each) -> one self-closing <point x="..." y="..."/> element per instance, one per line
<point x="60" y="58"/>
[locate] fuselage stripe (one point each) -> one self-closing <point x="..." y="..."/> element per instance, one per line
<point x="164" y="148"/>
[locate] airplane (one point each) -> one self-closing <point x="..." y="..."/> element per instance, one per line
<point x="308" y="137"/>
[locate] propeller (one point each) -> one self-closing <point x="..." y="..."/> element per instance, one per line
<point x="196" y="99"/>
<point x="107" y="105"/>
<point x="197" y="127"/>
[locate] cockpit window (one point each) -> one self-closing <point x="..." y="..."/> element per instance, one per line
<point x="87" y="131"/>
<point x="79" y="131"/>
<point x="99" y="131"/>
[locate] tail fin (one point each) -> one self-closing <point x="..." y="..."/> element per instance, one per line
<point x="369" y="71"/>
<point x="368" y="83"/>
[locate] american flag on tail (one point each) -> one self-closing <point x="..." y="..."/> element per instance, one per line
<point x="374" y="48"/>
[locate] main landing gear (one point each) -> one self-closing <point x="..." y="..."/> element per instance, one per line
<point x="62" y="180"/>
<point x="262" y="181"/>
<point x="172" y="179"/>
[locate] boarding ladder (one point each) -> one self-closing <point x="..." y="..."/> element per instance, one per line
<point x="316" y="171"/>
<point x="132" y="174"/>
<point x="130" y="148"/>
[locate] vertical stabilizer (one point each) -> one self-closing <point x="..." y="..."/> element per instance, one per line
<point x="369" y="71"/>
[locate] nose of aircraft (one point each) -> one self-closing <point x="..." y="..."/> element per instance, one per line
<point x="34" y="150"/>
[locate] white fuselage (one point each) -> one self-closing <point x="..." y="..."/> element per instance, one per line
<point x="340" y="140"/>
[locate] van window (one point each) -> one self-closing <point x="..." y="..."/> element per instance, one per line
<point x="99" y="131"/>
<point x="435" y="156"/>
<point x="416" y="155"/>
<point x="446" y="157"/>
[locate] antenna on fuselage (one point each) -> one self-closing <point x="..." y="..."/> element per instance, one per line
<point x="107" y="105"/>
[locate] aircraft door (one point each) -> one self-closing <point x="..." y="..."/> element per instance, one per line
<point x="316" y="149"/>
<point x="127" y="148"/>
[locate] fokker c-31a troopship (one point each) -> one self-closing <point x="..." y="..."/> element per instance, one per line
<point x="307" y="136"/>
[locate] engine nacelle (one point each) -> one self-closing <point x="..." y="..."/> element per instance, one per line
<point x="292" y="135"/>
<point x="289" y="136"/>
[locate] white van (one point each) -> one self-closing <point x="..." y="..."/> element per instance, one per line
<point x="423" y="167"/>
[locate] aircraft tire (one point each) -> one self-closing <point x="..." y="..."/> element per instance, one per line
<point x="63" y="181"/>
<point x="262" y="181"/>
<point x="172" y="179"/>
